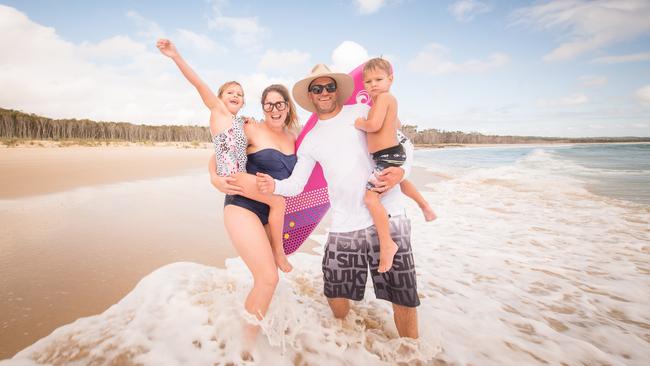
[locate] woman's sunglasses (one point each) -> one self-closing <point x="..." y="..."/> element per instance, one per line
<point x="280" y="106"/>
<point x="317" y="89"/>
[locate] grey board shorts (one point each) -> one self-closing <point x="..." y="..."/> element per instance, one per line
<point x="347" y="258"/>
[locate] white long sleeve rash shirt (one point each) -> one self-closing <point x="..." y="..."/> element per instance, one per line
<point x="342" y="151"/>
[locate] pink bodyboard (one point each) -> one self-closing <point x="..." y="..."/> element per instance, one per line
<point x="305" y="211"/>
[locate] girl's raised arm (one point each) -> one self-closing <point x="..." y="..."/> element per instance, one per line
<point x="210" y="100"/>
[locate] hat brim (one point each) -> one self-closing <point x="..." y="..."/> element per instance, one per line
<point x="344" y="89"/>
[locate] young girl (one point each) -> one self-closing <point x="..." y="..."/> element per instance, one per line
<point x="385" y="143"/>
<point x="229" y="134"/>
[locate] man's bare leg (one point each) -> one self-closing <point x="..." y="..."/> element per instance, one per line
<point x="340" y="307"/>
<point x="406" y="321"/>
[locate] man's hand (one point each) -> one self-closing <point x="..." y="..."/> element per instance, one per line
<point x="226" y="184"/>
<point x="388" y="178"/>
<point x="359" y="123"/>
<point x="265" y="183"/>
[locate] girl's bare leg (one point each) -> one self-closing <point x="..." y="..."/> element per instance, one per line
<point x="412" y="192"/>
<point x="387" y="247"/>
<point x="252" y="244"/>
<point x="248" y="183"/>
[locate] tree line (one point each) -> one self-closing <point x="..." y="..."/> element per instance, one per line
<point x="19" y="125"/>
<point x="434" y="136"/>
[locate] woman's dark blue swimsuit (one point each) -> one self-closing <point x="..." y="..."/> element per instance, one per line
<point x="272" y="162"/>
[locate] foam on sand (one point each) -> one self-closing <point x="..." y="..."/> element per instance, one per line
<point x="186" y="313"/>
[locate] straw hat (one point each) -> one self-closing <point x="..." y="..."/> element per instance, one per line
<point x="344" y="86"/>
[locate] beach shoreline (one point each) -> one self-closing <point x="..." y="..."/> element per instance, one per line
<point x="83" y="225"/>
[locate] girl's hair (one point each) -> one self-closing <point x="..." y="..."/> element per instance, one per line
<point x="228" y="84"/>
<point x="378" y="63"/>
<point x="291" y="121"/>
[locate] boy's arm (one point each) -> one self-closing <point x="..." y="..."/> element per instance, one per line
<point x="377" y="113"/>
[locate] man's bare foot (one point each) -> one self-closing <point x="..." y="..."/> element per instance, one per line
<point x="429" y="215"/>
<point x="281" y="261"/>
<point x="386" y="255"/>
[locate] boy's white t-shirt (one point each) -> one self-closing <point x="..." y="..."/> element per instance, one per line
<point x="342" y="151"/>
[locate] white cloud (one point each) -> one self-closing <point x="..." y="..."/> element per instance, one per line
<point x="347" y="56"/>
<point x="466" y="10"/>
<point x="593" y="80"/>
<point x="198" y="41"/>
<point x="285" y="61"/>
<point x="369" y="6"/>
<point x="434" y="60"/>
<point x="587" y="25"/>
<point x="640" y="125"/>
<point x="623" y="58"/>
<point x="112" y="48"/>
<point x="572" y="100"/>
<point x="247" y="32"/>
<point x="644" y="94"/>
<point x="148" y="29"/>
<point x="50" y="76"/>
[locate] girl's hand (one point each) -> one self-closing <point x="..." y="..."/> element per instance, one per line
<point x="265" y="183"/>
<point x="250" y="120"/>
<point x="167" y="48"/>
<point x="225" y="184"/>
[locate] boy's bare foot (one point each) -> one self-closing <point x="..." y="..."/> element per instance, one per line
<point x="386" y="255"/>
<point x="429" y="215"/>
<point x="281" y="261"/>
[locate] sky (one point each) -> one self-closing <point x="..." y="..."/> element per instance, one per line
<point x="569" y="68"/>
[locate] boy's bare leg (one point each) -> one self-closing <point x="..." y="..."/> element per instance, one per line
<point x="248" y="182"/>
<point x="406" y="321"/>
<point x="387" y="247"/>
<point x="412" y="192"/>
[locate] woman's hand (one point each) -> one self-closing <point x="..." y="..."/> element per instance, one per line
<point x="226" y="184"/>
<point x="167" y="48"/>
<point x="265" y="183"/>
<point x="388" y="178"/>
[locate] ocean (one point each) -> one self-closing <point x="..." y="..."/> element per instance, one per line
<point x="540" y="255"/>
<point x="614" y="170"/>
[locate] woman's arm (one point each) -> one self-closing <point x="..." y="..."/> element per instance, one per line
<point x="210" y="100"/>
<point x="224" y="184"/>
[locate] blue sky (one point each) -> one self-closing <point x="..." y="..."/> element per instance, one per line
<point x="549" y="68"/>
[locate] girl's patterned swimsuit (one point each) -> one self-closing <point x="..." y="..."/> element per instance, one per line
<point x="230" y="148"/>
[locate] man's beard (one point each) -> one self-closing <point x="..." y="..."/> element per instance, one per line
<point x="325" y="111"/>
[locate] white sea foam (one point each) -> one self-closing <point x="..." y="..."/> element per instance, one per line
<point x="524" y="266"/>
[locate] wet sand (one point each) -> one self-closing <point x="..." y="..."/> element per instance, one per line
<point x="82" y="225"/>
<point x="29" y="171"/>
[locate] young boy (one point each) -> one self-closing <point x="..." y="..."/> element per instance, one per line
<point x="382" y="134"/>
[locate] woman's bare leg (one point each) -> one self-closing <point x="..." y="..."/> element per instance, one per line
<point x="248" y="183"/>
<point x="412" y="192"/>
<point x="252" y="244"/>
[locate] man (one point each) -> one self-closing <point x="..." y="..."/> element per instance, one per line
<point x="352" y="245"/>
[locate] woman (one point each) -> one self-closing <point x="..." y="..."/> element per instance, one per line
<point x="270" y="149"/>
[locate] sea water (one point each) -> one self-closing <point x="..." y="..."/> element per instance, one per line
<point x="540" y="255"/>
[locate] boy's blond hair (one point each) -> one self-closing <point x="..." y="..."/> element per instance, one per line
<point x="378" y="63"/>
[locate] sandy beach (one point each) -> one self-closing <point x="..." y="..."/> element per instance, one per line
<point x="535" y="259"/>
<point x="82" y="225"/>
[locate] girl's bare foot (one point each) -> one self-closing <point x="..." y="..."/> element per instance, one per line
<point x="281" y="261"/>
<point x="386" y="255"/>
